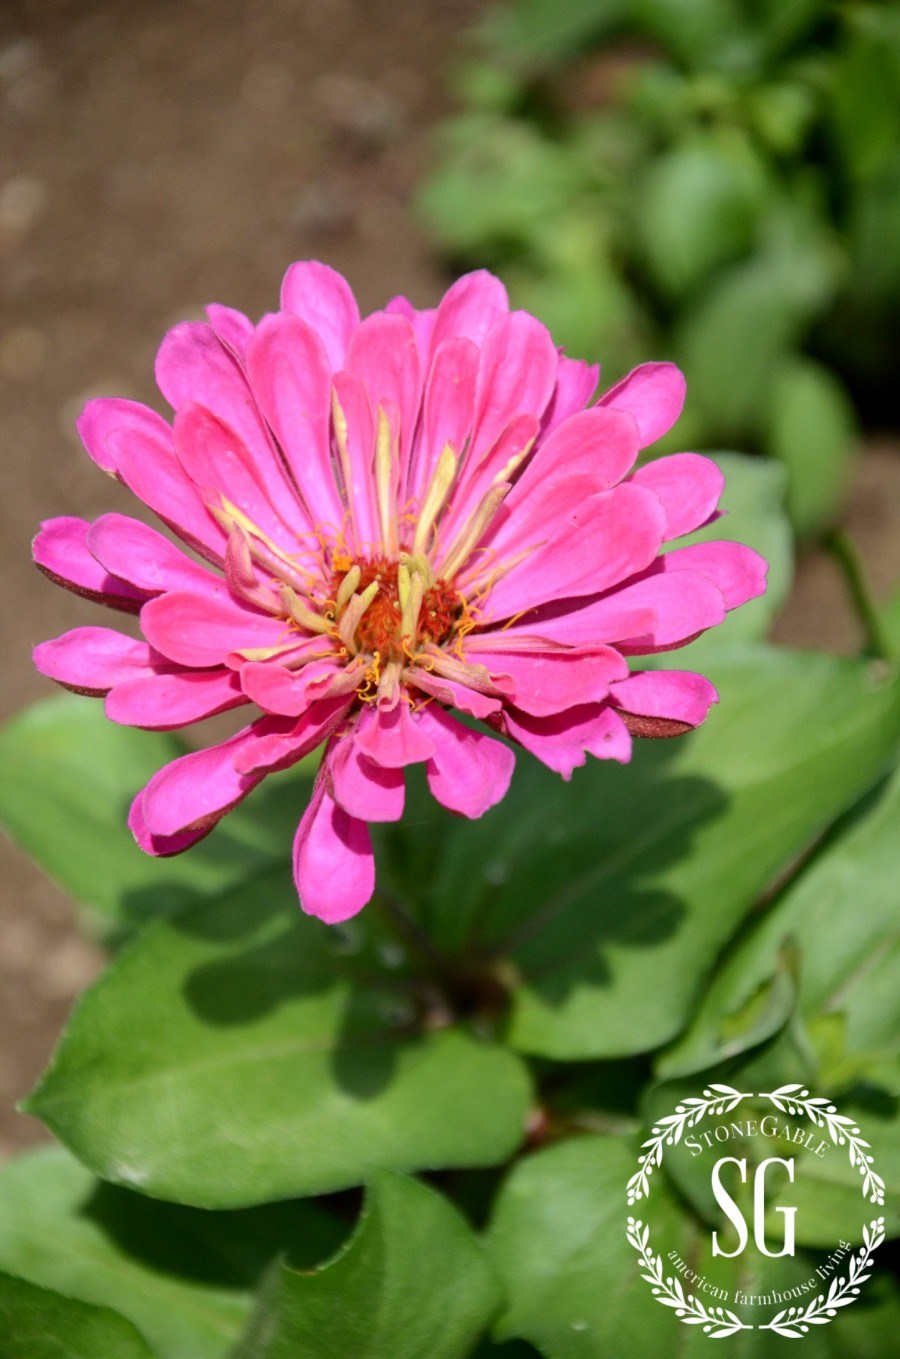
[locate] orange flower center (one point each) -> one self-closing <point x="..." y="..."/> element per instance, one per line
<point x="379" y="629"/>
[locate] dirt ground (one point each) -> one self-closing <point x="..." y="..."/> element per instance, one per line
<point x="158" y="155"/>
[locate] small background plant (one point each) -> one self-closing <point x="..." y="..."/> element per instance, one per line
<point x="712" y="181"/>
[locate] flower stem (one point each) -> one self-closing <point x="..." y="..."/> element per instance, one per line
<point x="846" y="554"/>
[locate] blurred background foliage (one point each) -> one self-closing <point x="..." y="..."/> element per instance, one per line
<point x="712" y="181"/>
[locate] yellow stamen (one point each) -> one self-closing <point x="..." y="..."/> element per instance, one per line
<point x="300" y="614"/>
<point x="346" y="588"/>
<point x="472" y="531"/>
<point x="515" y="462"/>
<point x="353" y="614"/>
<point x="384" y="477"/>
<point x="411" y="605"/>
<point x="436" y="495"/>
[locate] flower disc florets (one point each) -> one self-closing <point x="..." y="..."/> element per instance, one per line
<point x="390" y="626"/>
<point x="387" y="521"/>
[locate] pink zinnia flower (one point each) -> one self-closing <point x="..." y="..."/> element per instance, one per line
<point x="400" y="519"/>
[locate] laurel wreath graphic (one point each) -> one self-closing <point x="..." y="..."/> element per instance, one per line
<point x="716" y="1321"/>
<point x="791" y="1322"/>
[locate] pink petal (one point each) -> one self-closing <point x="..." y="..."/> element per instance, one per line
<point x="475" y="481"/>
<point x="469" y="771"/>
<point x="542" y="683"/>
<point x="291" y="376"/>
<point x="588" y="453"/>
<point x="201" y="630"/>
<point x="354" y="402"/>
<point x="689" y="487"/>
<point x="660" y="609"/>
<point x="232" y="327"/>
<point x="611" y="536"/>
<point x="364" y="789"/>
<point x="584" y="622"/>
<point x="216" y="460"/>
<point x="334" y="867"/>
<point x="164" y="702"/>
<point x="92" y="660"/>
<point x="196" y="790"/>
<point x="469" y="309"/>
<point x="61" y="551"/>
<point x="286" y="692"/>
<point x="383" y="353"/>
<point x="322" y="298"/>
<point x="146" y="559"/>
<point x="449" y="409"/>
<point x="106" y="414"/>
<point x="516" y="376"/>
<point x="678" y="695"/>
<point x="738" y="571"/>
<point x="456" y="695"/>
<point x="422" y="321"/>
<point x="576" y="383"/>
<point x="608" y="738"/>
<point x="286" y="741"/>
<point x="600" y="441"/>
<point x="562" y="741"/>
<point x="149" y="469"/>
<point x="654" y="394"/>
<point x="194" y="366"/>
<point x="161" y="846"/>
<point x="394" y="738"/>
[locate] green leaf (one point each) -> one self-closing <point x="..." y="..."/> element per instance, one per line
<point x="38" y="1324"/>
<point x="236" y="1054"/>
<point x="558" y="1240"/>
<point x="544" y="33"/>
<point x="724" y="174"/>
<point x="840" y="918"/>
<point x="733" y="338"/>
<point x="866" y="76"/>
<point x="699" y="33"/>
<point x="611" y="899"/>
<point x="812" y="431"/>
<point x="412" y="1281"/>
<point x="69" y="778"/>
<point x="182" y="1276"/>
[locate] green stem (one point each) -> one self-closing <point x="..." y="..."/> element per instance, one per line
<point x="856" y="577"/>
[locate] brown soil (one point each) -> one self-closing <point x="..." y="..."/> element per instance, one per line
<point x="156" y="156"/>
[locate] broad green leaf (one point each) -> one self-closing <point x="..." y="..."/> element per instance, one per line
<point x="182" y="1276"/>
<point x="699" y="33"/>
<point x="866" y="76"/>
<point x="733" y="338"/>
<point x="724" y="174"/>
<point x="812" y="431"/>
<point x="38" y="1324"/>
<point x="610" y="899"/>
<point x="413" y="1280"/>
<point x="573" y="1282"/>
<point x="840" y="918"/>
<point x="235" y="1055"/>
<point x="543" y="33"/>
<point x="69" y="777"/>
